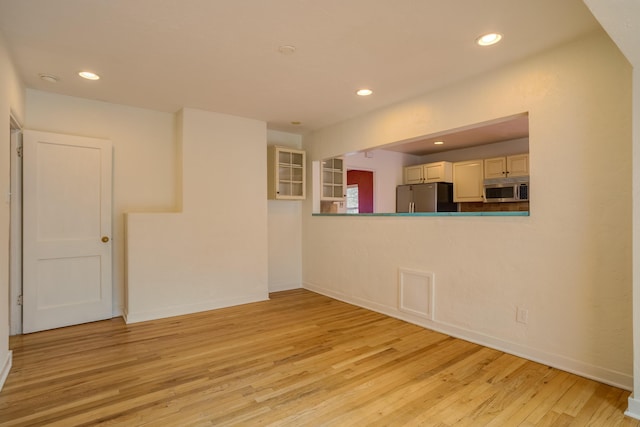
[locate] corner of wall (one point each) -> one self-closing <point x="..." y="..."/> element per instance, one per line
<point x="12" y="102"/>
<point x="6" y="367"/>
<point x="633" y="410"/>
<point x="197" y="259"/>
<point x="178" y="126"/>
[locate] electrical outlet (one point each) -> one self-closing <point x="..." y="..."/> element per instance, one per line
<point x="522" y="315"/>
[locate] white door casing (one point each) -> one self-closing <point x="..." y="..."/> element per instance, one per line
<point x="67" y="193"/>
<point x="15" y="239"/>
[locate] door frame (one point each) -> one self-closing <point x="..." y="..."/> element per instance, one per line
<point x="15" y="228"/>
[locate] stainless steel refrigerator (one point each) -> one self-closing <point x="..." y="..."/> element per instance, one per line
<point x="432" y="197"/>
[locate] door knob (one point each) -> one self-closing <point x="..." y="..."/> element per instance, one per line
<point x="105" y="239"/>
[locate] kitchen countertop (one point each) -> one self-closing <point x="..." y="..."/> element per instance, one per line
<point x="431" y="214"/>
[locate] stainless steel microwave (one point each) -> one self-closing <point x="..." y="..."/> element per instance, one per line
<point x="506" y="190"/>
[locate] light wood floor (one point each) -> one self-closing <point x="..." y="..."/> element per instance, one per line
<point x="299" y="359"/>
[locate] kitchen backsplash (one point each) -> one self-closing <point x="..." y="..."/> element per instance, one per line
<point x="493" y="207"/>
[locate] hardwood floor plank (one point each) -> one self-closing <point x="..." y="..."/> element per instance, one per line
<point x="299" y="359"/>
<point x="541" y="402"/>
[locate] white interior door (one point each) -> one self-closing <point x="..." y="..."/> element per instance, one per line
<point x="66" y="230"/>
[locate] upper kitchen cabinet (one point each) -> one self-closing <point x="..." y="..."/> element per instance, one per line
<point x="518" y="165"/>
<point x="413" y="174"/>
<point x="430" y="172"/>
<point x="506" y="167"/>
<point x="333" y="179"/>
<point x="286" y="173"/>
<point x="438" y="172"/>
<point x="468" y="180"/>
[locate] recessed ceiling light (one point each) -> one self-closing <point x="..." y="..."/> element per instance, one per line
<point x="438" y="143"/>
<point x="88" y="75"/>
<point x="364" y="92"/>
<point x="50" y="78"/>
<point x="489" y="39"/>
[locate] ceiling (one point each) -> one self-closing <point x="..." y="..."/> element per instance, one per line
<point x="502" y="129"/>
<point x="224" y="55"/>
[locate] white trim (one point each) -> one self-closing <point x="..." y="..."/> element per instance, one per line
<point x="6" y="367"/>
<point x="15" y="236"/>
<point x="603" y="375"/>
<point x="179" y="310"/>
<point x="408" y="305"/>
<point x="118" y="311"/>
<point x="633" y="410"/>
<point x="14" y="123"/>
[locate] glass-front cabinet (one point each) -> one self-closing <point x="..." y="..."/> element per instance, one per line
<point x="334" y="179"/>
<point x="286" y="173"/>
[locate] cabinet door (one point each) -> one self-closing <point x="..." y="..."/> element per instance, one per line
<point x="413" y="174"/>
<point x="286" y="173"/>
<point x="333" y="179"/>
<point x="468" y="181"/>
<point x="438" y="172"/>
<point x="495" y="167"/>
<point x="518" y="165"/>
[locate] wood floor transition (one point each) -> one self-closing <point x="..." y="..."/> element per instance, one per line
<point x="300" y="359"/>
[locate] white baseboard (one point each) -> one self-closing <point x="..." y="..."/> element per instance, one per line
<point x="117" y="311"/>
<point x="603" y="375"/>
<point x="277" y="287"/>
<point x="179" y="310"/>
<point x="633" y="410"/>
<point x="6" y="367"/>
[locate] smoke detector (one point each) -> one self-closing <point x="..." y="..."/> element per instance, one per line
<point x="49" y="78"/>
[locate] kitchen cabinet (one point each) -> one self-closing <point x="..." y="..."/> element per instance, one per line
<point x="509" y="166"/>
<point x="333" y="179"/>
<point x="518" y="165"/>
<point x="438" y="172"/>
<point x="413" y="174"/>
<point x="430" y="172"/>
<point x="468" y="180"/>
<point x="285" y="173"/>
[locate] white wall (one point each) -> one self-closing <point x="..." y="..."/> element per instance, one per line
<point x="618" y="22"/>
<point x="284" y="230"/>
<point x="214" y="253"/>
<point x="148" y="178"/>
<point x="568" y="264"/>
<point x="144" y="155"/>
<point x="634" y="400"/>
<point x="11" y="101"/>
